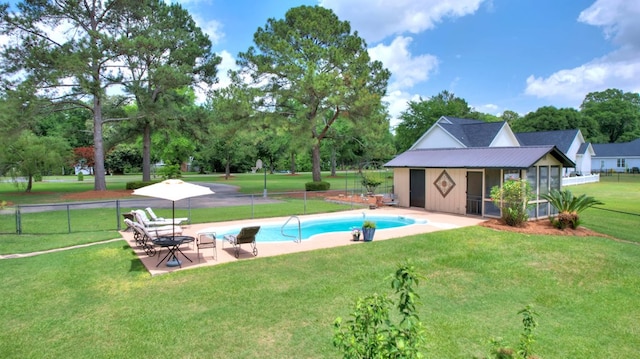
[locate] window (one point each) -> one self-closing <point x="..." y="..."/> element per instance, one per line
<point x="511" y="175"/>
<point x="491" y="179"/>
<point x="544" y="180"/>
<point x="555" y="178"/>
<point x="621" y="163"/>
<point x="532" y="178"/>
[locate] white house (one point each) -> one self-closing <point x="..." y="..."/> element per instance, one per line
<point x="616" y="157"/>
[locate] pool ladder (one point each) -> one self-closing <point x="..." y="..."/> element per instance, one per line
<point x="299" y="238"/>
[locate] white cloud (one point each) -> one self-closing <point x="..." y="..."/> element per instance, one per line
<point x="619" y="69"/>
<point x="376" y="20"/>
<point x="406" y="70"/>
<point x="489" y="108"/>
<point x="228" y="63"/>
<point x="618" y="18"/>
<point x="397" y="102"/>
<point x="212" y="28"/>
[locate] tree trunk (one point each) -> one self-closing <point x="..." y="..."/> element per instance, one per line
<point x="227" y="168"/>
<point x="29" y="184"/>
<point x="100" y="183"/>
<point x="293" y="163"/>
<point x="315" y="161"/>
<point x="333" y="161"/>
<point x="146" y="153"/>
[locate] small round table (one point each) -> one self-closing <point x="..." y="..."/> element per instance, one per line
<point x="172" y="243"/>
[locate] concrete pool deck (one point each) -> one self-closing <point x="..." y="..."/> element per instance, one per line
<point x="435" y="222"/>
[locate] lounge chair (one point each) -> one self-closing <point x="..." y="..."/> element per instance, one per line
<point x="155" y="218"/>
<point x="141" y="217"/>
<point x="157" y="231"/>
<point x="142" y="237"/>
<point x="246" y="235"/>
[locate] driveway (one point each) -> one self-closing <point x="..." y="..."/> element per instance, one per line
<point x="224" y="196"/>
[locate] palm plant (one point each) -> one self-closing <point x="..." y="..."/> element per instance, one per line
<point x="568" y="207"/>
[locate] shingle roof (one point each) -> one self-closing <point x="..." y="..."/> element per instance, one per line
<point x="583" y="148"/>
<point x="485" y="157"/>
<point x="626" y="149"/>
<point x="561" y="139"/>
<point x="471" y="133"/>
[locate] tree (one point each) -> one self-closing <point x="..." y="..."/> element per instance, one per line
<point x="421" y="115"/>
<point x="549" y="118"/>
<point x="616" y="112"/>
<point x="159" y="71"/>
<point x="233" y="124"/>
<point x="66" y="50"/>
<point x="122" y="158"/>
<point x="314" y="72"/>
<point x="29" y="155"/>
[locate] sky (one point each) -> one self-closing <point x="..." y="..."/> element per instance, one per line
<point x="498" y="55"/>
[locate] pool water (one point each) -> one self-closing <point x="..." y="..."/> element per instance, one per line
<point x="311" y="227"/>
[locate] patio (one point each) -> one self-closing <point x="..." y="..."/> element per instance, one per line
<point x="435" y="222"/>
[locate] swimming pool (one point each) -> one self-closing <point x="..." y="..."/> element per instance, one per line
<point x="311" y="227"/>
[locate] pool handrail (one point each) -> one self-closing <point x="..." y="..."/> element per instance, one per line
<point x="299" y="238"/>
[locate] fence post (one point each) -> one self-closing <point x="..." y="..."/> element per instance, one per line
<point x="18" y="220"/>
<point x="118" y="214"/>
<point x="69" y="218"/>
<point x="188" y="208"/>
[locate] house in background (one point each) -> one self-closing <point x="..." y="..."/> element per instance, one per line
<point x="453" y="166"/>
<point x="616" y="157"/>
<point x="570" y="142"/>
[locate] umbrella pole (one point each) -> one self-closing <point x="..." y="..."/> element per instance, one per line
<point x="173" y="215"/>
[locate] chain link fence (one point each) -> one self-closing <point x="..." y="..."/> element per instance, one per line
<point x="108" y="214"/>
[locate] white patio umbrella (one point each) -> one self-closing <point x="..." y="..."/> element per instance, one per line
<point x="173" y="190"/>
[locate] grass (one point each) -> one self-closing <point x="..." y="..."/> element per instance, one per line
<point x="100" y="302"/>
<point x="621" y="210"/>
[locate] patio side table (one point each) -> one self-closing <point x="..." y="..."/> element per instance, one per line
<point x="172" y="243"/>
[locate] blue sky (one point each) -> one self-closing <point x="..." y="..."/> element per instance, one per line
<point x="498" y="55"/>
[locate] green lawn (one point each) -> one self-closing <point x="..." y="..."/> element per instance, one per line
<point x="99" y="301"/>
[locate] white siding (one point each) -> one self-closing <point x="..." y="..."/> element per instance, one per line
<point x="505" y="138"/>
<point x="436" y="137"/>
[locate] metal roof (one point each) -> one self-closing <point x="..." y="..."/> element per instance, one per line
<point x="478" y="157"/>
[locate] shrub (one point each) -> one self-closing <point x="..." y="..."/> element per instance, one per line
<point x="80" y="176"/>
<point x="121" y="158"/>
<point x="371" y="181"/>
<point x="169" y="171"/>
<point x="525" y="350"/>
<point x="139" y="184"/>
<point x="317" y="186"/>
<point x="513" y="199"/>
<point x="372" y="334"/>
<point x="569" y="207"/>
